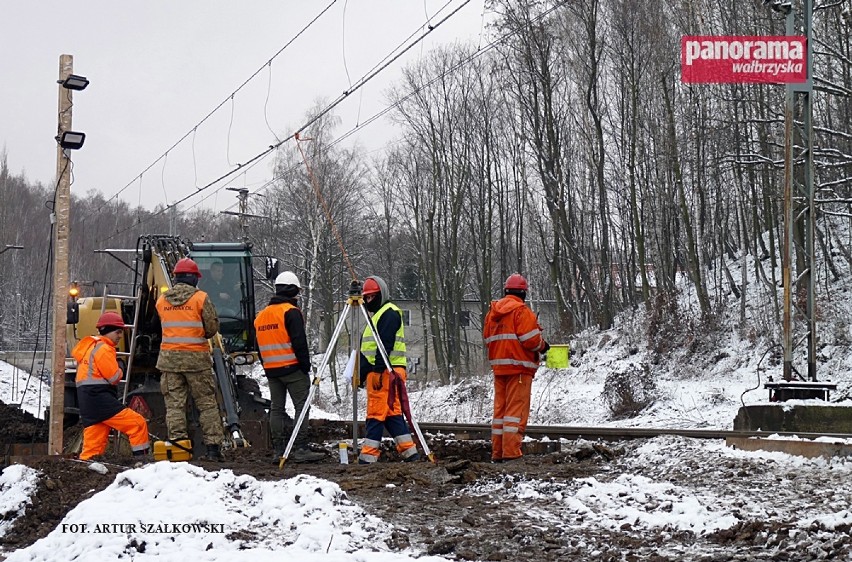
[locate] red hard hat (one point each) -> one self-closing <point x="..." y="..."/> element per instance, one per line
<point x="371" y="287"/>
<point x="186" y="265"/>
<point x="516" y="281"/>
<point x="110" y="319"/>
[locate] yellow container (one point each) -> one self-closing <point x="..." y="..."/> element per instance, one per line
<point x="180" y="450"/>
<point x="558" y="356"/>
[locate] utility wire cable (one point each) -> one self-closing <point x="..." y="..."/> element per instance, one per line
<point x="492" y="45"/>
<point x="479" y="52"/>
<point x="271" y="148"/>
<point x="215" y="109"/>
<point x="266" y="104"/>
<point x="364" y="80"/>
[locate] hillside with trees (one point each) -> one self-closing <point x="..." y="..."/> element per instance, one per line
<point x="567" y="149"/>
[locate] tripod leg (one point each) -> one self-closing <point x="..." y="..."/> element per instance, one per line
<point x="315" y="384"/>
<point x="384" y="355"/>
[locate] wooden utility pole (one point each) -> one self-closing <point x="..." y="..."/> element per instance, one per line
<point x="60" y="219"/>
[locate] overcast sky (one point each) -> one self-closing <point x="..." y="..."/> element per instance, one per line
<point x="158" y="68"/>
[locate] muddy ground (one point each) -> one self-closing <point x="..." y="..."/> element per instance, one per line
<point x="463" y="507"/>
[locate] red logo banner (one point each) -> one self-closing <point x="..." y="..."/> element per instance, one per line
<point x="743" y="59"/>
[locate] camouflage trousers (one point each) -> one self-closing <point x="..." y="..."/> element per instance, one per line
<point x="175" y="388"/>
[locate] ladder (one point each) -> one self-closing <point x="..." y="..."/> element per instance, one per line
<point x="133" y="329"/>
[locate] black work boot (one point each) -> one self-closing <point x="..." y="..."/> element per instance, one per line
<point x="413" y="458"/>
<point x="303" y="454"/>
<point x="214" y="453"/>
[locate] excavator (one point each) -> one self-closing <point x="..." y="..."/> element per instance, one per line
<point x="229" y="279"/>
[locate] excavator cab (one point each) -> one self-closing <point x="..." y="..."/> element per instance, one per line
<point x="227" y="278"/>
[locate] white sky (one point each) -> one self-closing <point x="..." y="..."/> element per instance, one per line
<point x="157" y="68"/>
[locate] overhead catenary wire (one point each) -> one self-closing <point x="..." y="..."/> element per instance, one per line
<point x="223" y="102"/>
<point x="476" y="54"/>
<point x="271" y="148"/>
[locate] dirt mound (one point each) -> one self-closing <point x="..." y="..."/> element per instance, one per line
<point x="18" y="426"/>
<point x="64" y="484"/>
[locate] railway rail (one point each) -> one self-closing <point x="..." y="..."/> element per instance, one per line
<point x="465" y="431"/>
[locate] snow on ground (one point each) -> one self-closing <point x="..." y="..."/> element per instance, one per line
<point x="16" y="384"/>
<point x="168" y="511"/>
<point x="17" y="484"/>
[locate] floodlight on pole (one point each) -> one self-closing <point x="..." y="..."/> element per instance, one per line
<point x="72" y="140"/>
<point x="74" y="82"/>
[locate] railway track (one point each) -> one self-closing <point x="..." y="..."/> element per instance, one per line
<point x="468" y="431"/>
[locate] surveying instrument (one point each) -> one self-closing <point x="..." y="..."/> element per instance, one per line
<point x="355" y="300"/>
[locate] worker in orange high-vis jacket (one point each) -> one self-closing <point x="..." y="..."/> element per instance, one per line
<point x="515" y="343"/>
<point x="387" y="317"/>
<point x="98" y="375"/>
<point x="283" y="344"/>
<point x="189" y="319"/>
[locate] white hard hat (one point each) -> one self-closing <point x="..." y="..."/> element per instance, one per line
<point x="288" y="278"/>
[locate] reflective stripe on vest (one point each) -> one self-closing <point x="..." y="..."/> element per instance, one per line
<point x="370" y="348"/>
<point x="513" y="362"/>
<point x="183" y="329"/>
<point x="89" y="377"/>
<point x="273" y="341"/>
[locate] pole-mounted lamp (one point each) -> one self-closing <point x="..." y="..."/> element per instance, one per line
<point x="74" y="82"/>
<point x="71" y="140"/>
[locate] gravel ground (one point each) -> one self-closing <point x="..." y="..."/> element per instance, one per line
<point x="590" y="501"/>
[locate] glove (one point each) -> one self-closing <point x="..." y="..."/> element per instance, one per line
<point x="546" y="347"/>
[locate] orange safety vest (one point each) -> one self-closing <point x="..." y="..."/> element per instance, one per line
<point x="273" y="341"/>
<point x="183" y="329"/>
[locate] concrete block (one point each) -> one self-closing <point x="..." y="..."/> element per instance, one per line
<point x="795" y="417"/>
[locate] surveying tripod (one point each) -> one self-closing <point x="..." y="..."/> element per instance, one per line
<point x="355" y="300"/>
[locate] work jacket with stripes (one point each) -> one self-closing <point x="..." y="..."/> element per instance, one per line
<point x="188" y="320"/>
<point x="280" y="329"/>
<point x="98" y="374"/>
<point x="513" y="337"/>
<point x="389" y="325"/>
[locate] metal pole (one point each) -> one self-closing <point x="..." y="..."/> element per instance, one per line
<point x="808" y="137"/>
<point x="60" y="263"/>
<point x="354" y="340"/>
<point x="787" y="258"/>
<point x="799" y="204"/>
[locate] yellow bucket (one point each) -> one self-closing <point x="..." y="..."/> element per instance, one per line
<point x="558" y="356"/>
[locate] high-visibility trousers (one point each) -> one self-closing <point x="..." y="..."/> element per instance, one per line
<point x="127" y="421"/>
<point x="398" y="429"/>
<point x="378" y="390"/>
<point x="511" y="412"/>
<point x="380" y="415"/>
